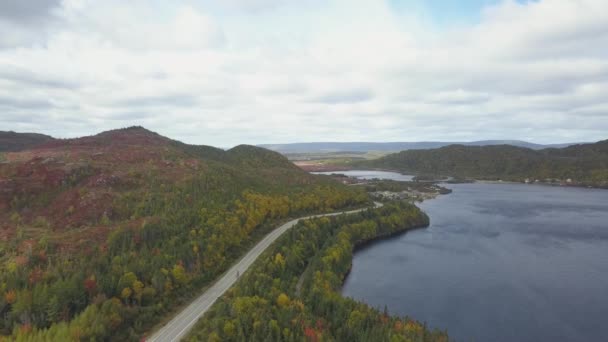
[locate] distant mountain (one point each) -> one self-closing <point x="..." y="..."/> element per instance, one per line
<point x="583" y="164"/>
<point x="12" y="141"/>
<point x="320" y="147"/>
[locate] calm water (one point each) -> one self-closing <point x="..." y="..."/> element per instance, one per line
<point x="500" y="262"/>
<point x="371" y="174"/>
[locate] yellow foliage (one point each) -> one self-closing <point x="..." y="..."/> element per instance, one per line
<point x="126" y="293"/>
<point x="229" y="329"/>
<point x="11" y="266"/>
<point x="168" y="286"/>
<point x="138" y="286"/>
<point x="298" y="304"/>
<point x="279" y="260"/>
<point x="214" y="337"/>
<point x="179" y="274"/>
<point x="412" y="327"/>
<point x="283" y="300"/>
<point x="355" y="319"/>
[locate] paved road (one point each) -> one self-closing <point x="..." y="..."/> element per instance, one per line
<point x="179" y="326"/>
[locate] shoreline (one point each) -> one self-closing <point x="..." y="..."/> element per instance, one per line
<point x="474" y="180"/>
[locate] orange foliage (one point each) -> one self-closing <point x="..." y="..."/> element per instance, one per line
<point x="311" y="334"/>
<point x="398" y="326"/>
<point x="21" y="260"/>
<point x="36" y="275"/>
<point x="25" y="328"/>
<point x="10" y="297"/>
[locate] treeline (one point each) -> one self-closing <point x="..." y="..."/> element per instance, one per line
<point x="585" y="164"/>
<point x="292" y="293"/>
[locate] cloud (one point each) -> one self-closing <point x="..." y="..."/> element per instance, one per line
<point x="21" y="11"/>
<point x="127" y="115"/>
<point x="459" y="96"/>
<point x="255" y="5"/>
<point x="28" y="78"/>
<point x="26" y="22"/>
<point x="267" y="71"/>
<point x="177" y="100"/>
<point x="17" y="103"/>
<point x="345" y="96"/>
<point x="141" y="25"/>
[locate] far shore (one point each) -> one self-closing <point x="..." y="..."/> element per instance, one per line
<point x="336" y="168"/>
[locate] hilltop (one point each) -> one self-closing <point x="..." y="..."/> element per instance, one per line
<point x="76" y="182"/>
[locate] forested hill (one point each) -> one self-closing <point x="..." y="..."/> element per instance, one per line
<point x="13" y="141"/>
<point x="584" y="164"/>
<point x="102" y="236"/>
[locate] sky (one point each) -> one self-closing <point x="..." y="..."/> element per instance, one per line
<point x="228" y="72"/>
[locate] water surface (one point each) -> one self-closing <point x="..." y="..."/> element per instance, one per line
<point x="500" y="262"/>
<point x="362" y="174"/>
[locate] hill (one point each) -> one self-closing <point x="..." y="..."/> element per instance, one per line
<point x="332" y="147"/>
<point x="101" y="236"/>
<point x="583" y="164"/>
<point x="12" y="141"/>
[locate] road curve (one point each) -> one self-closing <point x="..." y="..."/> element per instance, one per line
<point x="179" y="326"/>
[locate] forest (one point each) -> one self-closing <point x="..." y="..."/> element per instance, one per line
<point x="102" y="237"/>
<point x="292" y="292"/>
<point x="583" y="165"/>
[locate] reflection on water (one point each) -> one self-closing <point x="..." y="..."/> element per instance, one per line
<point x="500" y="262"/>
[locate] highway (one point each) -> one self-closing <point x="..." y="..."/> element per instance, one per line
<point x="179" y="326"/>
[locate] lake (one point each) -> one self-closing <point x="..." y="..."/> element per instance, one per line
<point x="499" y="262"/>
<point x="362" y="174"/>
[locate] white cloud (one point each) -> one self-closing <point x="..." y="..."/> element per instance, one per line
<point x="279" y="71"/>
<point x="255" y="5"/>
